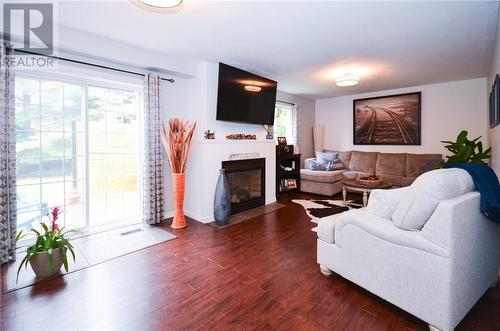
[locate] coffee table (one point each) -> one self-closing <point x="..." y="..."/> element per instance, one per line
<point x="352" y="185"/>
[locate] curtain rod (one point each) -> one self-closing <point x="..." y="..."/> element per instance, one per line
<point x="171" y="80"/>
<point x="286" y="102"/>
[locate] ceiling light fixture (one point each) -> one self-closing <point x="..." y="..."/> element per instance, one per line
<point x="253" y="88"/>
<point x="347" y="80"/>
<point x="162" y="3"/>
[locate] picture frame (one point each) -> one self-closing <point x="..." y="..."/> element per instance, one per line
<point x="388" y="120"/>
<point x="282" y="141"/>
<point x="494" y="103"/>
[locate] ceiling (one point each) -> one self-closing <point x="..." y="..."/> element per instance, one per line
<point x="305" y="44"/>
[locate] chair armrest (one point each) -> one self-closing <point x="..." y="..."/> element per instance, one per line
<point x="384" y="230"/>
<point x="383" y="202"/>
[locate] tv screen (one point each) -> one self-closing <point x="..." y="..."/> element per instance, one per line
<point x="245" y="97"/>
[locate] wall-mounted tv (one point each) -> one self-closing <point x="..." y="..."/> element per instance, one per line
<point x="245" y="97"/>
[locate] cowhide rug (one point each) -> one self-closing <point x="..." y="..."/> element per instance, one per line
<point x="317" y="209"/>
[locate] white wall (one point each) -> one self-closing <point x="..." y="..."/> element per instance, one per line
<point x="196" y="99"/>
<point x="494" y="133"/>
<point x="447" y="108"/>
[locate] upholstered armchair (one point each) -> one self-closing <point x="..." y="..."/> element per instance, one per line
<point x="425" y="248"/>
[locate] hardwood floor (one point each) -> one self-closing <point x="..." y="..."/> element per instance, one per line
<point x="259" y="274"/>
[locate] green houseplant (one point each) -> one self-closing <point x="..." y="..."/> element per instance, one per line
<point x="466" y="151"/>
<point x="49" y="252"/>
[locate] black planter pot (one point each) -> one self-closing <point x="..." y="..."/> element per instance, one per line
<point x="222" y="200"/>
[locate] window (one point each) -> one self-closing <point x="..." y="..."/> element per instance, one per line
<point x="76" y="147"/>
<point x="285" y="122"/>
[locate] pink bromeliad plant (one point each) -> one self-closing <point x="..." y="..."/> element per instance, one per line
<point x="50" y="244"/>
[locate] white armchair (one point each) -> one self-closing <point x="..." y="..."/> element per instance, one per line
<point x="436" y="272"/>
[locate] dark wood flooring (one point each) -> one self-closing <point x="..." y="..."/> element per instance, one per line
<point x="260" y="274"/>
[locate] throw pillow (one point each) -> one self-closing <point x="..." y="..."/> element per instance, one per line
<point x="326" y="157"/>
<point x="335" y="165"/>
<point x="311" y="164"/>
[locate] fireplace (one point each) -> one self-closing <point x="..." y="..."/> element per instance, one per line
<point x="247" y="183"/>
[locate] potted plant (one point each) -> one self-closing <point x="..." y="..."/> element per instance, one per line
<point x="466" y="151"/>
<point x="177" y="143"/>
<point x="49" y="252"/>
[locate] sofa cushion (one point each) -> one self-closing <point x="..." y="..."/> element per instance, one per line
<point x="363" y="161"/>
<point x="407" y="181"/>
<point x="321" y="176"/>
<point x="419" y="202"/>
<point x="391" y="164"/>
<point x="417" y="164"/>
<point x="394" y="180"/>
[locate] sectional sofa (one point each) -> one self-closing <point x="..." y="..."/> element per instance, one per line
<point x="400" y="169"/>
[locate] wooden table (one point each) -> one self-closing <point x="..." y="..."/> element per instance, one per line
<point x="352" y="185"/>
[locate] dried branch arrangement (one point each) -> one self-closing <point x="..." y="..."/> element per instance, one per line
<point x="177" y="142"/>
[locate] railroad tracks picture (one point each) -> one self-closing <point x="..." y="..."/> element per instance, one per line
<point x="387" y="120"/>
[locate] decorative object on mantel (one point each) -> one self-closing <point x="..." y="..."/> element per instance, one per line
<point x="222" y="200"/>
<point x="177" y="143"/>
<point x="241" y="136"/>
<point x="243" y="156"/>
<point x="270" y="132"/>
<point x="209" y="134"/>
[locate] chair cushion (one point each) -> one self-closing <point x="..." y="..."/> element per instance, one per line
<point x="363" y="161"/>
<point x="321" y="176"/>
<point x="391" y="164"/>
<point x="419" y="202"/>
<point x="417" y="164"/>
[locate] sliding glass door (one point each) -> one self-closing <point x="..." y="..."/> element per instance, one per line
<point x="113" y="155"/>
<point x="77" y="147"/>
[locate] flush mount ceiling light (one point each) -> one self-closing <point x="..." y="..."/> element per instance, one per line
<point x="347" y="80"/>
<point x="162" y="3"/>
<point x="253" y="88"/>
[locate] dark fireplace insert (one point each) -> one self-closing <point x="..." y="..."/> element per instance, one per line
<point x="247" y="183"/>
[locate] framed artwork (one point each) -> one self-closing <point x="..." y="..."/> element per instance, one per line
<point x="387" y="120"/>
<point x="494" y="103"/>
<point x="281" y="140"/>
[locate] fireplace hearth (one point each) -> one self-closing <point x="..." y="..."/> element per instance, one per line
<point x="247" y="183"/>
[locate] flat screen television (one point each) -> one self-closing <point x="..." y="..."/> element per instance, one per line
<point x="245" y="97"/>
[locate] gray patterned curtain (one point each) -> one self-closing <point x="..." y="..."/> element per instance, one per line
<point x="153" y="153"/>
<point x="8" y="222"/>
<point x="296" y="118"/>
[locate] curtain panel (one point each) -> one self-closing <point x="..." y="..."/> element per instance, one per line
<point x="296" y="125"/>
<point x="153" y="191"/>
<point x="8" y="220"/>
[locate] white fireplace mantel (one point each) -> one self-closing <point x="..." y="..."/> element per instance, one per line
<point x="204" y="168"/>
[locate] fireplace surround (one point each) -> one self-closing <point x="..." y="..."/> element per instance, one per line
<point x="247" y="183"/>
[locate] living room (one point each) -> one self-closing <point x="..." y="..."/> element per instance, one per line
<point x="182" y="164"/>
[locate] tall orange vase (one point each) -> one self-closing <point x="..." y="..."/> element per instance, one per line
<point x="179" y="220"/>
